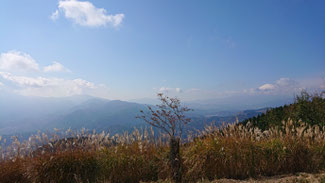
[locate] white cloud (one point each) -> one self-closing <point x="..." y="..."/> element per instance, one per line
<point x="267" y="87"/>
<point x="86" y="14"/>
<point x="54" y="87"/>
<point x="17" y="61"/>
<point x="55" y="67"/>
<point x="25" y="81"/>
<point x="13" y="61"/>
<point x="55" y="15"/>
<point x="166" y="89"/>
<point x="281" y="87"/>
<point x="85" y="83"/>
<point x="284" y="86"/>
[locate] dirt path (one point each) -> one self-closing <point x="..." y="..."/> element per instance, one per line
<point x="298" y="178"/>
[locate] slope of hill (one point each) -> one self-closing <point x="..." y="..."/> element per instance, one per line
<point x="22" y="113"/>
<point x="308" y="108"/>
<point x="100" y="114"/>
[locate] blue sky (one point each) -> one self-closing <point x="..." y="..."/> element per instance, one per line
<point x="134" y="49"/>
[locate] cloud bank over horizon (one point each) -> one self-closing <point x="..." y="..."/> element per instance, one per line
<point x="15" y="68"/>
<point x="281" y="87"/>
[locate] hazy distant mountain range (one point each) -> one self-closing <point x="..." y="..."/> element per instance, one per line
<point x="20" y="114"/>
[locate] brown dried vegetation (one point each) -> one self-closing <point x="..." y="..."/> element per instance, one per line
<point x="233" y="151"/>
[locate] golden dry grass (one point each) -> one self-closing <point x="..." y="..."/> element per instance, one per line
<point x="233" y="152"/>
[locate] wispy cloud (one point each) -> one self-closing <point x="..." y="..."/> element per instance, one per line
<point x="167" y="89"/>
<point x="55" y="67"/>
<point x="13" y="61"/>
<point x="55" y="15"/>
<point x="53" y="87"/>
<point x="84" y="13"/>
<point x="281" y="86"/>
<point x="17" y="61"/>
<point x="266" y="87"/>
<point x="25" y="81"/>
<point x="288" y="86"/>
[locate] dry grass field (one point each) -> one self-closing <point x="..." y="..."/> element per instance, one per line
<point x="223" y="154"/>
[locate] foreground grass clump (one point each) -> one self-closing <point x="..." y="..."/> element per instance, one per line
<point x="132" y="164"/>
<point x="69" y="166"/>
<point x="13" y="171"/>
<point x="233" y="151"/>
<point x="239" y="152"/>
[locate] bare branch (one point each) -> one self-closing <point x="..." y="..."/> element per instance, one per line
<point x="169" y="115"/>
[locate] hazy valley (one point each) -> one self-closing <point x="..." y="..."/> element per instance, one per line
<point x="25" y="115"/>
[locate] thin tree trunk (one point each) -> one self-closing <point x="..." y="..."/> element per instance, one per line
<point x="175" y="160"/>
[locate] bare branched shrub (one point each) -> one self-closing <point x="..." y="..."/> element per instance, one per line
<point x="170" y="117"/>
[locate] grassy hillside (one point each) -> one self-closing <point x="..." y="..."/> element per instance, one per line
<point x="309" y="108"/>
